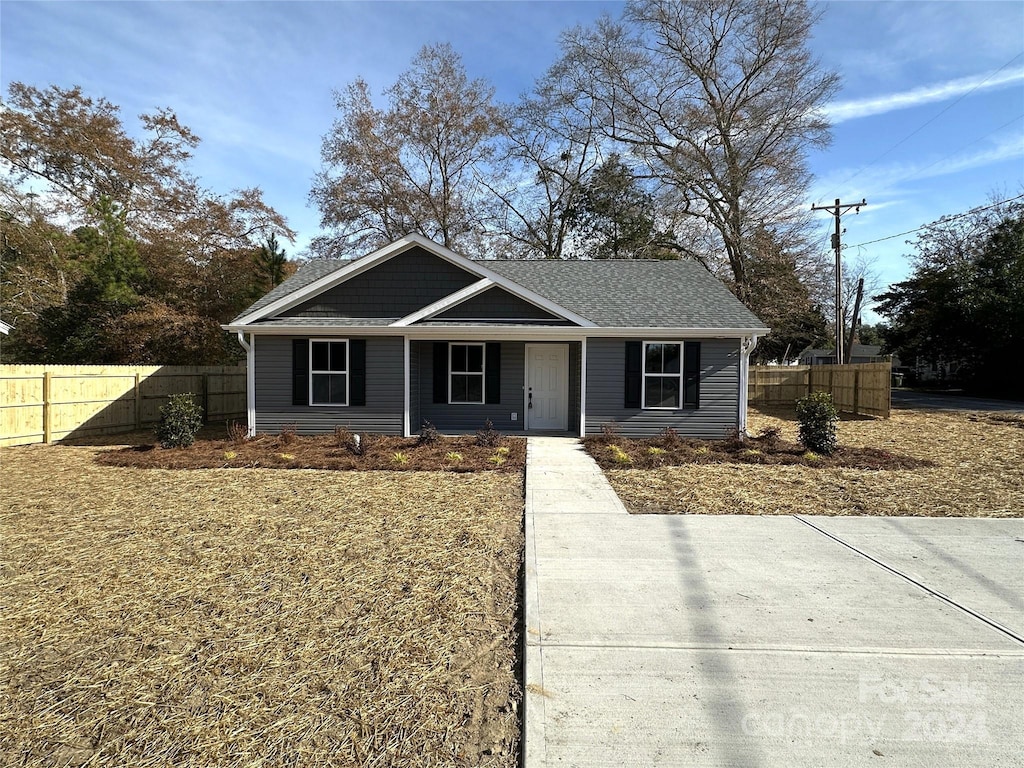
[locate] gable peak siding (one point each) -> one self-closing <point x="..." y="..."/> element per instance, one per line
<point x="394" y="288"/>
<point x="497" y="304"/>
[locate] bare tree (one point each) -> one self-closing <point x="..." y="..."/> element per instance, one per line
<point x="716" y="100"/>
<point x="416" y="166"/>
<point x="551" y="144"/>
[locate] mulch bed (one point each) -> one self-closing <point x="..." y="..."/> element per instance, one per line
<point x="330" y="452"/>
<point x="952" y="465"/>
<point x="246" y="617"/>
<point x="668" y="450"/>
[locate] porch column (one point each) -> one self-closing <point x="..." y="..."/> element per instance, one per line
<point x="406" y="427"/>
<point x="583" y="386"/>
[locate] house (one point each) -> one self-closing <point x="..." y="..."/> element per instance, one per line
<point x="862" y="353"/>
<point x="415" y="332"/>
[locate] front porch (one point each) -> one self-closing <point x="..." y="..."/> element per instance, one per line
<point x="521" y="386"/>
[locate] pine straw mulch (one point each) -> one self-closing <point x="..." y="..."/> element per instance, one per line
<point x="967" y="465"/>
<point x="290" y="451"/>
<point x="246" y="617"/>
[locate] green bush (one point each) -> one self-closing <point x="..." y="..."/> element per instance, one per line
<point x="180" y="420"/>
<point x="818" y="417"/>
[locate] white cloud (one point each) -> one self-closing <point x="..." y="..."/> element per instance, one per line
<point x="874" y="182"/>
<point x="841" y="111"/>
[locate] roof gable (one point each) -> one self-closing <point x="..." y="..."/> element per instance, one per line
<point x="301" y="290"/>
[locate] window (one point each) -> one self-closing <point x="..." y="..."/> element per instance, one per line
<point x="662" y="374"/>
<point x="328" y="372"/>
<point x="466" y="373"/>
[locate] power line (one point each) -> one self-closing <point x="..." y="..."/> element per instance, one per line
<point x="919" y="171"/>
<point x="944" y="219"/>
<point x="931" y="120"/>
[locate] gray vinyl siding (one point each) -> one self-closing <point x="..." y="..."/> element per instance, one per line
<point x="415" y="420"/>
<point x="497" y="304"/>
<point x="719" y="393"/>
<point x="575" y="349"/>
<point x="385" y="399"/>
<point x="395" y="288"/>
<point x="468" y="418"/>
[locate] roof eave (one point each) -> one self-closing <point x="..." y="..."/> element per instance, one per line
<point x="540" y="331"/>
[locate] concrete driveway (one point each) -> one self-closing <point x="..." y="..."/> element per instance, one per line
<point x="765" y="641"/>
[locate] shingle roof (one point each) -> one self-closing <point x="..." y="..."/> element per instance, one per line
<point x="308" y="273"/>
<point x="633" y="293"/>
<point x="613" y="293"/>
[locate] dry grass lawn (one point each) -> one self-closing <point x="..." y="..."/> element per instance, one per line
<point x="978" y="471"/>
<point x="254" y="617"/>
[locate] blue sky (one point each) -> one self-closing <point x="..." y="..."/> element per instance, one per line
<point x="930" y="119"/>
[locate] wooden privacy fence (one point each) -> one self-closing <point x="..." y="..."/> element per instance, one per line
<point x="41" y="403"/>
<point x="860" y="388"/>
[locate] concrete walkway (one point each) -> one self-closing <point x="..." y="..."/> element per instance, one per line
<point x="764" y="641"/>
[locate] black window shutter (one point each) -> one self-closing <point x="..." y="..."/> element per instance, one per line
<point x="300" y="371"/>
<point x="492" y="374"/>
<point x="691" y="374"/>
<point x="634" y="373"/>
<point x="357" y="372"/>
<point x="440" y="372"/>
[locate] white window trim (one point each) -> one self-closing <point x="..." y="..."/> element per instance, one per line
<point x="644" y="374"/>
<point x="482" y="374"/>
<point x="348" y="375"/>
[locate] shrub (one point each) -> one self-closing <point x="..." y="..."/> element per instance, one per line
<point x="429" y="434"/>
<point x="238" y="432"/>
<point x="497" y="459"/>
<point x="610" y="430"/>
<point x="655" y="451"/>
<point x="399" y="458"/>
<point x="669" y="438"/>
<point x="453" y="457"/>
<point x="488" y="437"/>
<point x="289" y="434"/>
<point x="769" y="438"/>
<point x="343" y="437"/>
<point x="180" y="420"/>
<point x="734" y="440"/>
<point x="818" y="416"/>
<point x="619" y="455"/>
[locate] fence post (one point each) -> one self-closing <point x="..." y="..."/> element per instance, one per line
<point x="856" y="393"/>
<point x="138" y="402"/>
<point x="46" y="407"/>
<point x="206" y="398"/>
<point x="810" y="380"/>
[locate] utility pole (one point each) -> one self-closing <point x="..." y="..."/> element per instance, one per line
<point x="837" y="210"/>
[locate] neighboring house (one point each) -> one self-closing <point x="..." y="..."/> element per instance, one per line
<point x="415" y="332"/>
<point x="862" y="353"/>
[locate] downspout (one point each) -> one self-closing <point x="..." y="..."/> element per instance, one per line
<point x="250" y="381"/>
<point x="746" y="347"/>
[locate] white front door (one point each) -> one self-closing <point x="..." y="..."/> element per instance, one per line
<point x="547" y="386"/>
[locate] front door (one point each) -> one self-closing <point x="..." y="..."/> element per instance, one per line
<point x="547" y="387"/>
